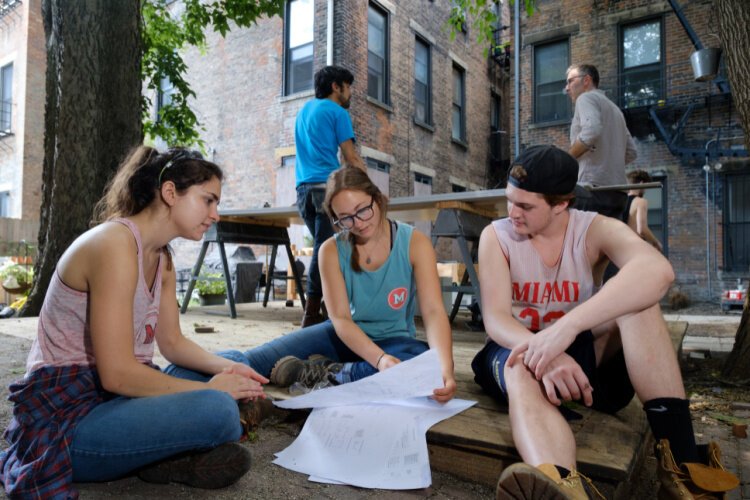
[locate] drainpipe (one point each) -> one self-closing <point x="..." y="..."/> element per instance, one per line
<point x="329" y="33"/>
<point x="517" y="79"/>
<point x="707" y="169"/>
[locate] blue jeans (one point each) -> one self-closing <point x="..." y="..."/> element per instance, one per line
<point x="124" y="434"/>
<point x="316" y="339"/>
<point x="310" y="206"/>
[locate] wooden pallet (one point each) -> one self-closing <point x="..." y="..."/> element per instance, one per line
<point x="477" y="445"/>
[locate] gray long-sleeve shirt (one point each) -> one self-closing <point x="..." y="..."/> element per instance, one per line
<point x="599" y="124"/>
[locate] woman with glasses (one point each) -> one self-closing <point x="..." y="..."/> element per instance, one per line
<point x="92" y="405"/>
<point x="371" y="271"/>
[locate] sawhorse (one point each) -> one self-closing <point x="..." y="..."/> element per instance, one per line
<point x="464" y="224"/>
<point x="252" y="233"/>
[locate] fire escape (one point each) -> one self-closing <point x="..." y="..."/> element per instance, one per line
<point x="499" y="148"/>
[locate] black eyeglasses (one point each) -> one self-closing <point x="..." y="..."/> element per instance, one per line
<point x="363" y="214"/>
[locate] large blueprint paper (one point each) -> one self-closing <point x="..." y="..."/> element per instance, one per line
<point x="369" y="445"/>
<point x="418" y="376"/>
<point x="371" y="433"/>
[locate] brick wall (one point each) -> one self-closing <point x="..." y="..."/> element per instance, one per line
<point x="250" y="124"/>
<point x="593" y="32"/>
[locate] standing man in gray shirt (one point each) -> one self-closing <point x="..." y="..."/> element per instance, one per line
<point x="600" y="141"/>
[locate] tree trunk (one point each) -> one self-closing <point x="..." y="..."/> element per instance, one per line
<point x="734" y="19"/>
<point x="92" y="119"/>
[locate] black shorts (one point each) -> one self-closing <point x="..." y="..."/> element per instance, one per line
<point x="610" y="381"/>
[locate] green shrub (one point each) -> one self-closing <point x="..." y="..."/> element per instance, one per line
<point x="211" y="284"/>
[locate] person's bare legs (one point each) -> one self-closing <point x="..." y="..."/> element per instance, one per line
<point x="540" y="432"/>
<point x="649" y="355"/>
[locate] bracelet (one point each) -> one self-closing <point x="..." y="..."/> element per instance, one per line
<point x="377" y="363"/>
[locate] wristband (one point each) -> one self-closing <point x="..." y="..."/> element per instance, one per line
<point x="377" y="363"/>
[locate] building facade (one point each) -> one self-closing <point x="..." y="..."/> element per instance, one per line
<point x="22" y="71"/>
<point x="427" y="110"/>
<point x="642" y="50"/>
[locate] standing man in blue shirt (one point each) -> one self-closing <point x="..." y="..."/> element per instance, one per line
<point x="322" y="127"/>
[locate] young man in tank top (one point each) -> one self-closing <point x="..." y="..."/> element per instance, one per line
<point x="556" y="334"/>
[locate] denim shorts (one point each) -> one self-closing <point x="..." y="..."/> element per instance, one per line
<point x="610" y="381"/>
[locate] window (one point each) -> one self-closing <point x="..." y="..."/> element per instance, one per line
<point x="164" y="95"/>
<point x="737" y="222"/>
<point x="380" y="173"/>
<point x="657" y="211"/>
<point x="422" y="82"/>
<point x="6" y="92"/>
<point x="458" y="118"/>
<point x="377" y="53"/>
<point x="4" y="203"/>
<point x="298" y="64"/>
<point x="458" y="189"/>
<point x="423" y="187"/>
<point x="641" y="64"/>
<point x="550" y="63"/>
<point x="422" y="180"/>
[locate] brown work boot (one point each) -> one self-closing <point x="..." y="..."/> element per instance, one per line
<point x="521" y="481"/>
<point x="312" y="314"/>
<point x="252" y="413"/>
<point x="707" y="480"/>
<point x="215" y="468"/>
<point x="314" y="370"/>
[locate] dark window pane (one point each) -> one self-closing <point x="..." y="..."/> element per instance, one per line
<point x="737" y="223"/>
<point x="550" y="64"/>
<point x="377" y="54"/>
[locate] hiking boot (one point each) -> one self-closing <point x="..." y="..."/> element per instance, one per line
<point x="215" y="468"/>
<point x="521" y="481"/>
<point x="290" y="369"/>
<point x="707" y="480"/>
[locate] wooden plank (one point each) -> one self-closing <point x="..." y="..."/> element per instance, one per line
<point x="467" y="207"/>
<point x="477" y="444"/>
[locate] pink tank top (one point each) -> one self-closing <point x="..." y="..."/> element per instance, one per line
<point x="544" y="294"/>
<point x="63" y="334"/>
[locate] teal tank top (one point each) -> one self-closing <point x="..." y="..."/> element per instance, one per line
<point x="382" y="301"/>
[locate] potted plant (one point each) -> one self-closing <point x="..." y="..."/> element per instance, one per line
<point x="212" y="289"/>
<point x="16" y="278"/>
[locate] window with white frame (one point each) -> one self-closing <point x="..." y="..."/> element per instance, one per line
<point x="298" y="73"/>
<point x="164" y="95"/>
<point x="641" y="63"/>
<point x="377" y="53"/>
<point x="551" y="61"/>
<point x="6" y="93"/>
<point x="4" y="203"/>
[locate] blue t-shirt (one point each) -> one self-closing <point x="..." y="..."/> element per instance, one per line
<point x="382" y="301"/>
<point x="320" y="127"/>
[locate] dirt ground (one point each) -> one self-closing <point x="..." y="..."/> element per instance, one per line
<point x="713" y="405"/>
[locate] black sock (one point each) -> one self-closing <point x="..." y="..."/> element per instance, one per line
<point x="563" y="471"/>
<point x="669" y="418"/>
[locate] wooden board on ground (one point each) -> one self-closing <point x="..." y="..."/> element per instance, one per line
<point x="477" y="445"/>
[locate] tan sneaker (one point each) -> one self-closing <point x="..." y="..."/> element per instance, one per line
<point x="523" y="482"/>
<point x="707" y="480"/>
